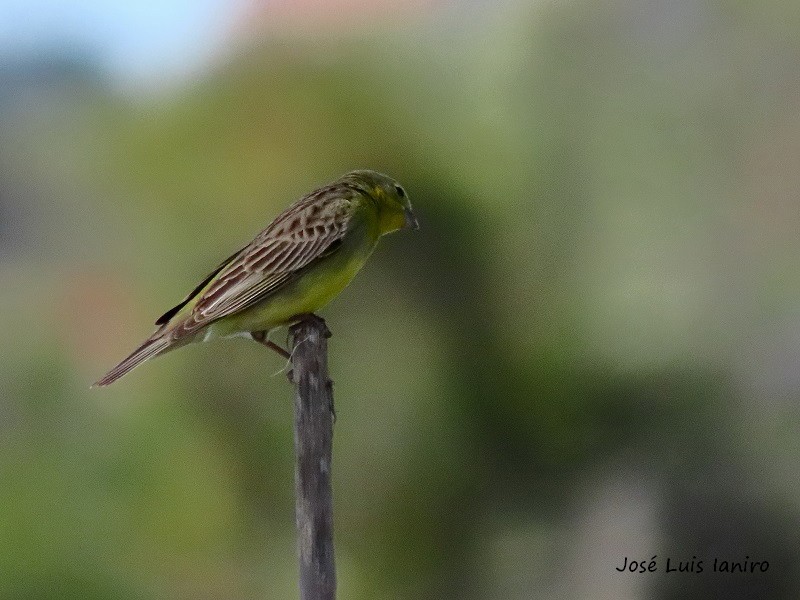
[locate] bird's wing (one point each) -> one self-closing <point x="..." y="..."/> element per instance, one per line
<point x="309" y="229"/>
<point x="165" y="318"/>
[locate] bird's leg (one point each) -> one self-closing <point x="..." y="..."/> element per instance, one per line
<point x="262" y="338"/>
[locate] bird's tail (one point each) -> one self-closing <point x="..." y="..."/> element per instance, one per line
<point x="152" y="346"/>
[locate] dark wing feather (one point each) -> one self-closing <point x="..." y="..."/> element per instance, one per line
<point x="164" y="319"/>
<point x="309" y="229"/>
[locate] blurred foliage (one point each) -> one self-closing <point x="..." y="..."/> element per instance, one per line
<point x="587" y="352"/>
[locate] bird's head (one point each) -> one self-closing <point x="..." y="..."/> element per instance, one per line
<point x="394" y="207"/>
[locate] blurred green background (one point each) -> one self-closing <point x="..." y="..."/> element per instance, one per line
<point x="588" y="352"/>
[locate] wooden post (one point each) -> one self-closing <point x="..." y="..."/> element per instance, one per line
<point x="313" y="437"/>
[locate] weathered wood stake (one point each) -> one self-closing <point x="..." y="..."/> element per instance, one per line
<point x="313" y="438"/>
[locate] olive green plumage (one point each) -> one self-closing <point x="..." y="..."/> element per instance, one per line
<point x="295" y="266"/>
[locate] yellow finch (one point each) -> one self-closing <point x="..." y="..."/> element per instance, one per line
<point x="302" y="260"/>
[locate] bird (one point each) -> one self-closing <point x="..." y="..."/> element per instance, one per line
<point x="304" y="258"/>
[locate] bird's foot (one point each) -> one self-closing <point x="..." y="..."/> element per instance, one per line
<point x="310" y="317"/>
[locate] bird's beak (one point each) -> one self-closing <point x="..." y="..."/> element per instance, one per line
<point x="411" y="219"/>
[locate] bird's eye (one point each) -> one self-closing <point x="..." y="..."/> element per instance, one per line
<point x="400" y="191"/>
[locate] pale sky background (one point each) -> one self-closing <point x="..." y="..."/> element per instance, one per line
<point x="145" y="40"/>
<point x="166" y="41"/>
